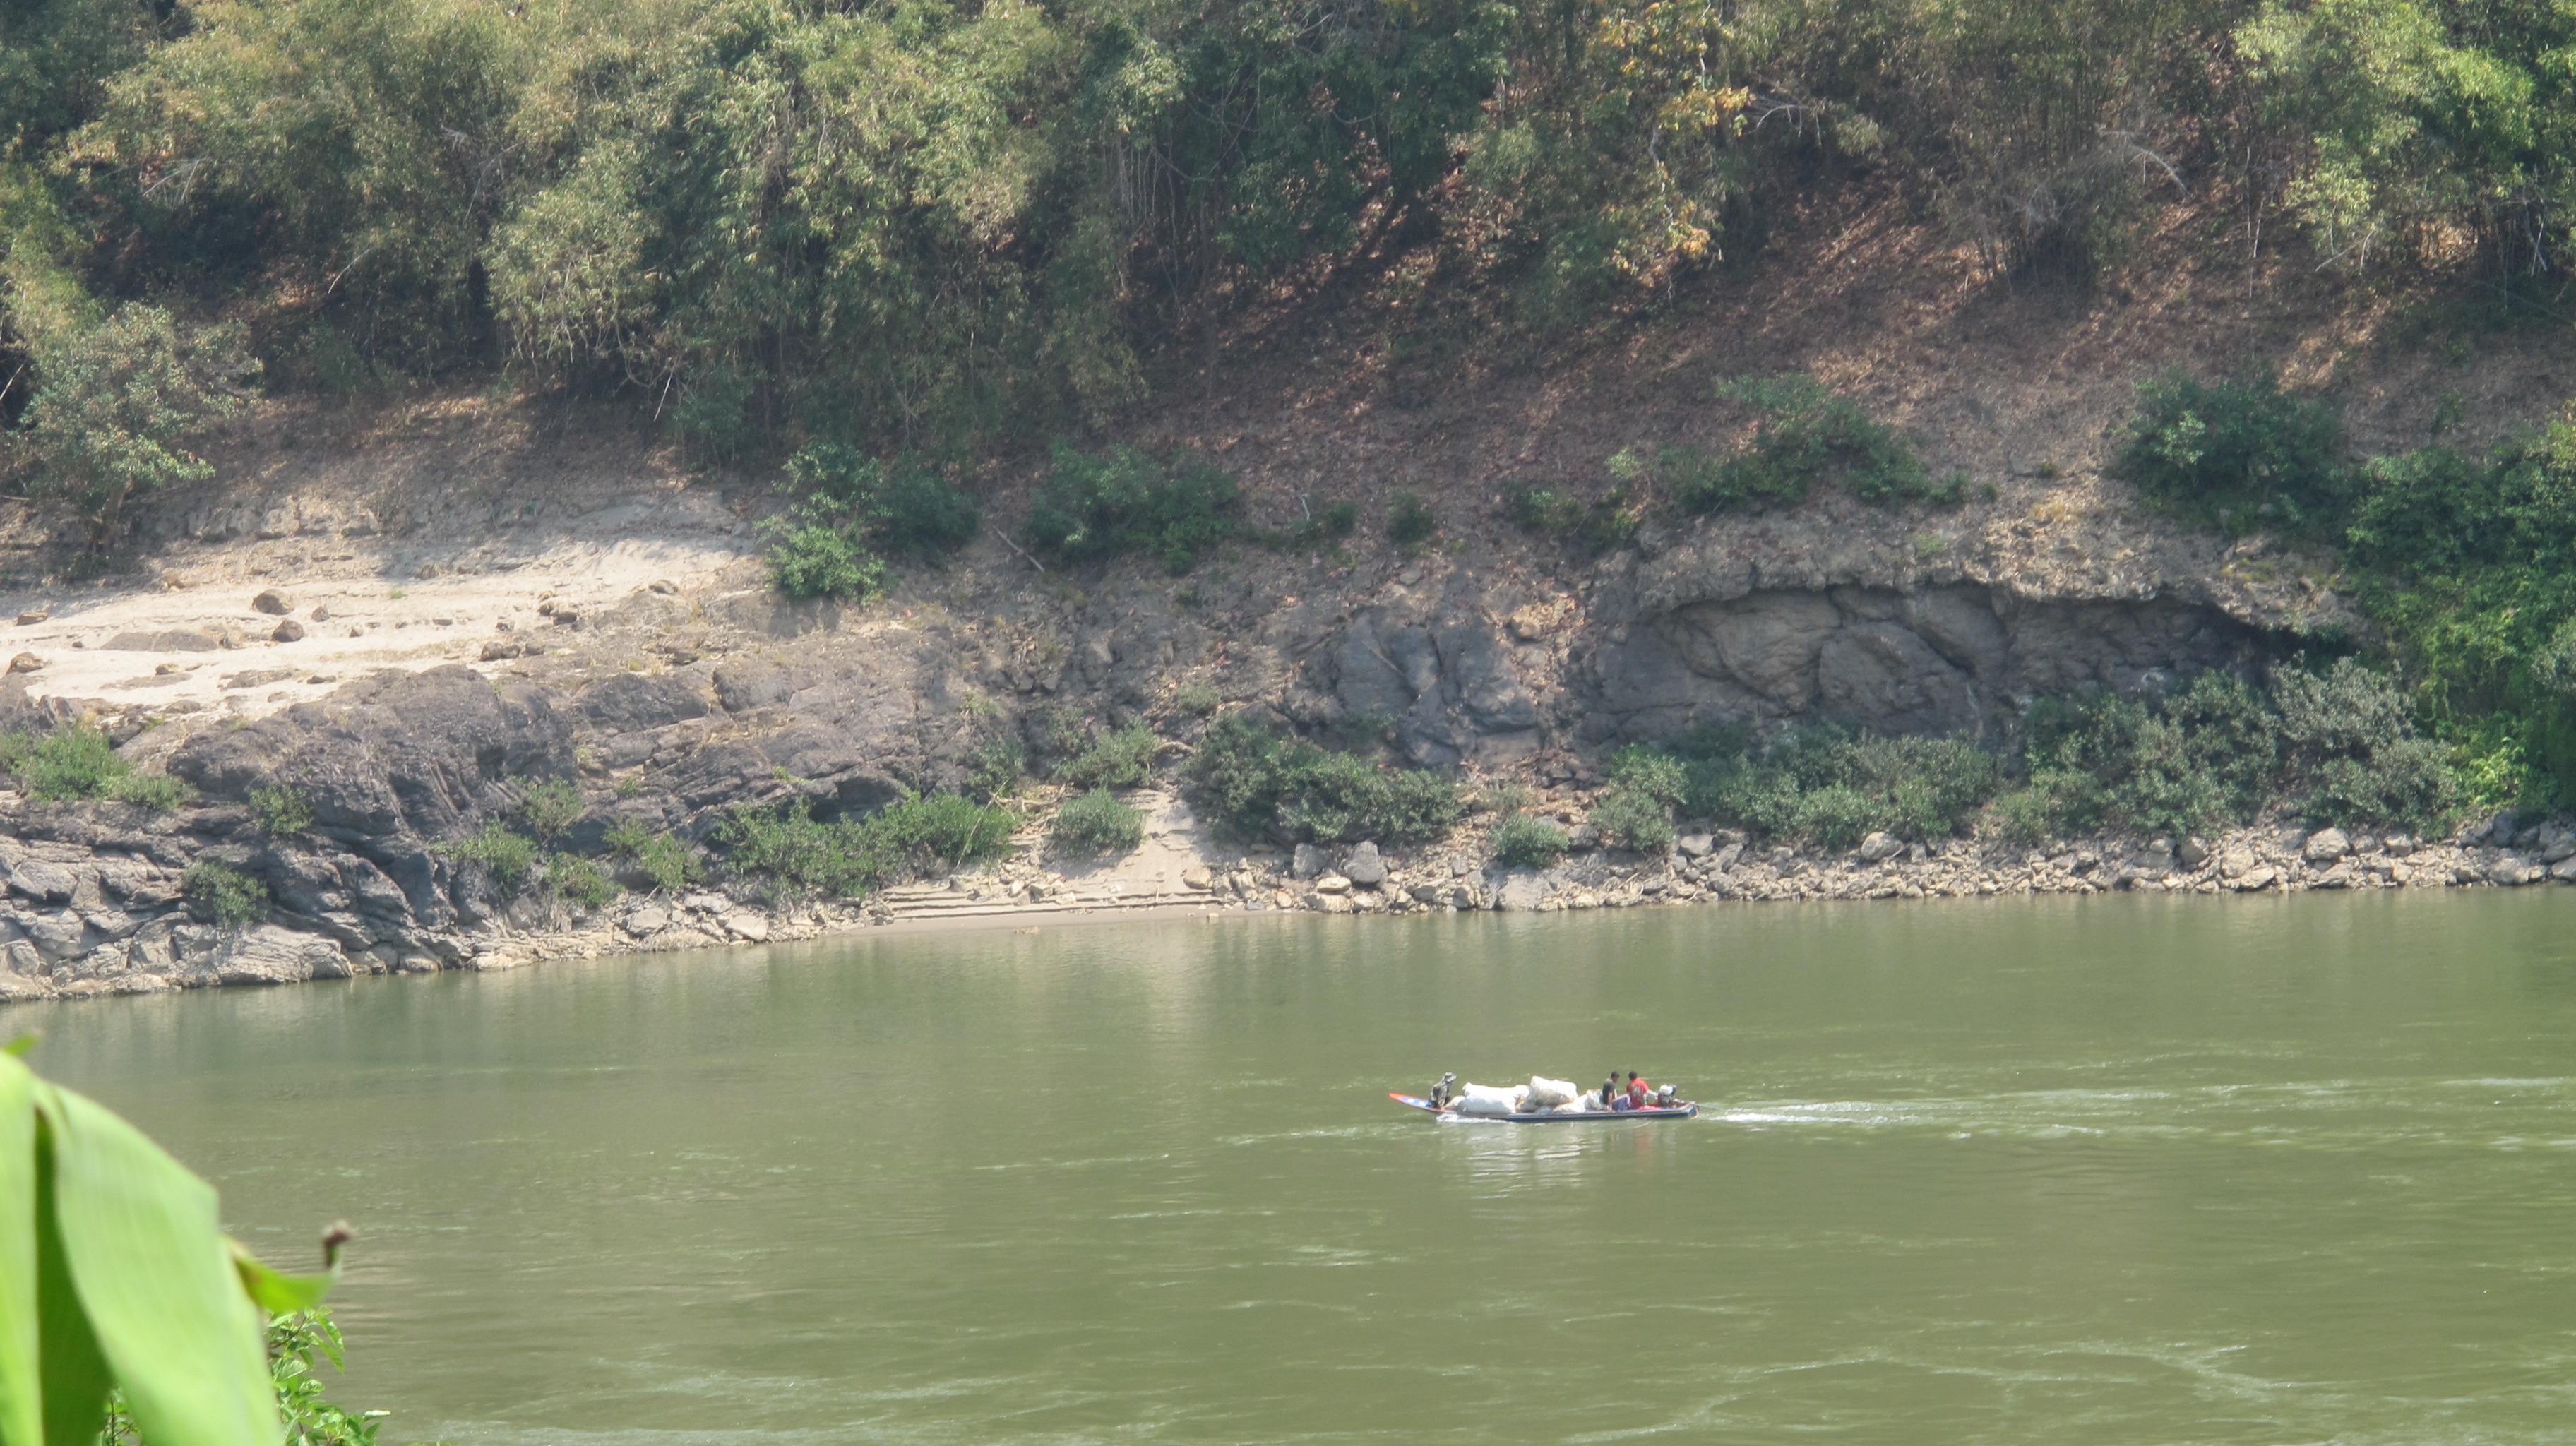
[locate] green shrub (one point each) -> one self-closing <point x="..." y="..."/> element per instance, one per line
<point x="2351" y="737"/>
<point x="1805" y="434"/>
<point x="1522" y="842"/>
<point x="509" y="857"/>
<point x="1606" y="522"/>
<point x="68" y="763"/>
<point x="1123" y="758"/>
<point x="2137" y="768"/>
<point x="281" y="810"/>
<point x="811" y="560"/>
<point x="662" y="857"/>
<point x="1124" y="501"/>
<point x="2036" y="812"/>
<point x="2238" y="454"/>
<point x="1326" y="796"/>
<point x="1330" y="796"/>
<point x="903" y="508"/>
<point x="1636" y="811"/>
<point x="115" y="407"/>
<point x="1250" y="780"/>
<point x="79" y="762"/>
<point x="230" y="896"/>
<point x="1409" y="523"/>
<point x="151" y="790"/>
<point x="2470" y="568"/>
<point x="995" y="766"/>
<point x="1699" y="482"/>
<point x="1417" y="806"/>
<point x="1196" y="700"/>
<point x="1238" y="774"/>
<point x="799" y="853"/>
<point x="1831" y="785"/>
<point x="551" y="807"/>
<point x="802" y="854"/>
<point x="944" y="828"/>
<point x="579" y="881"/>
<point x="1097" y="823"/>
<point x="849" y="509"/>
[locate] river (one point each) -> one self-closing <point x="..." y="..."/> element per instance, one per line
<point x="2098" y="1171"/>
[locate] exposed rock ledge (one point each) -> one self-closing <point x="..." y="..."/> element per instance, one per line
<point x="681" y="700"/>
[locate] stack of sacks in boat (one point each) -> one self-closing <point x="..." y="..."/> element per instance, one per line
<point x="1539" y="1096"/>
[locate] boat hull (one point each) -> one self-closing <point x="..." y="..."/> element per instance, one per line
<point x="1550" y="1117"/>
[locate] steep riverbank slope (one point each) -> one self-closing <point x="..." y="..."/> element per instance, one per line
<point x="410" y="609"/>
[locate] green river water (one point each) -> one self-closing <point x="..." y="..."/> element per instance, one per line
<point x="2096" y="1171"/>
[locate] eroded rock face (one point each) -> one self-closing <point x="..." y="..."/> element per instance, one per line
<point x="1666" y="643"/>
<point x="1447" y="678"/>
<point x="1951" y="659"/>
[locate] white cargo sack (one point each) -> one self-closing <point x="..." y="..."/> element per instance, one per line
<point x="1476" y="1099"/>
<point x="1547" y="1094"/>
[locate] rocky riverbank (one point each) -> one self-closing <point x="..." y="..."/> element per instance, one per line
<point x="94" y="903"/>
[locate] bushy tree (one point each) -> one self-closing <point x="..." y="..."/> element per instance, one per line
<point x="118" y="405"/>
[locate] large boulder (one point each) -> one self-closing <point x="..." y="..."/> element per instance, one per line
<point x="632" y="702"/>
<point x="2326" y="845"/>
<point x="268" y="954"/>
<point x="1364" y="867"/>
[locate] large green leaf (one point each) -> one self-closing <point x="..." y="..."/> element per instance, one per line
<point x="21" y="1395"/>
<point x="156" y="1279"/>
<point x="75" y="1374"/>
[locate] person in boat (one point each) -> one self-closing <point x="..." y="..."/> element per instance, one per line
<point x="1664" y="1098"/>
<point x="1440" y="1092"/>
<point x="1637" y="1091"/>
<point x="1610" y="1091"/>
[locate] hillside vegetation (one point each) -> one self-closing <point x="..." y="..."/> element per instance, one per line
<point x="940" y="226"/>
<point x="885" y="243"/>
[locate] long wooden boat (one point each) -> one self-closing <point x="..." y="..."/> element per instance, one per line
<point x="1681" y="1110"/>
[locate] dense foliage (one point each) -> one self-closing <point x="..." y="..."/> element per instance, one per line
<point x="658" y="857"/>
<point x="1256" y="782"/>
<point x="1123" y="501"/>
<point x="1119" y="758"/>
<point x="2338" y="744"/>
<point x="224" y="894"/>
<point x="2239" y="454"/>
<point x="1831" y="785"/>
<point x="793" y="852"/>
<point x="2468" y="563"/>
<point x="914" y="227"/>
<point x="1097" y="823"/>
<point x="850" y="508"/>
<point x="78" y="762"/>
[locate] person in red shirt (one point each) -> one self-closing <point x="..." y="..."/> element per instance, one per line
<point x="1637" y="1091"/>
